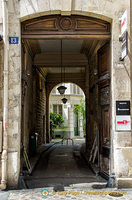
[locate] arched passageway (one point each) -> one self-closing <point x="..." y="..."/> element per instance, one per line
<point x="86" y="59"/>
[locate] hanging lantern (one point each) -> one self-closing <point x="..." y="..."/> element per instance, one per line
<point x="61" y="89"/>
<point x="64" y="100"/>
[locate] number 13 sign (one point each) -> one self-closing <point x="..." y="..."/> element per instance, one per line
<point x="13" y="40"/>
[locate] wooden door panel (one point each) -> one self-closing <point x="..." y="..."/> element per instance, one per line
<point x="105" y="139"/>
<point x="104" y="104"/>
<point x="105" y="125"/>
<point x="103" y="59"/>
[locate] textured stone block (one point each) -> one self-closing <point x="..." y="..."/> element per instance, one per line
<point x="124" y="182"/>
<point x="55" y="4"/>
<point x="66" y="5"/>
<point x="13" y="169"/>
<point x="123" y="161"/>
<point x="123" y="139"/>
<point x="43" y="5"/>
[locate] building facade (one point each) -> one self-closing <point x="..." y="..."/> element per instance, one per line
<point x="30" y="34"/>
<point x="73" y="122"/>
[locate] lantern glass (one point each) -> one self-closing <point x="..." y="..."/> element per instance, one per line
<point x="61" y="89"/>
<point x="64" y="100"/>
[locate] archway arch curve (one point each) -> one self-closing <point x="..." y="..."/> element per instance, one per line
<point x="106" y="16"/>
<point x="54" y="85"/>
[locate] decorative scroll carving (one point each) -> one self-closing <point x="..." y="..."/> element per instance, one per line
<point x="105" y="96"/>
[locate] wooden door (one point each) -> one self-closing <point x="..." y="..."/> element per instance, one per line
<point x="104" y="105"/>
<point x="105" y="137"/>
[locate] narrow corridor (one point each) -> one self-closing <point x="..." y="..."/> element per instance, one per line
<point x="61" y="164"/>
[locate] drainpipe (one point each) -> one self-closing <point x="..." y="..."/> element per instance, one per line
<point x="5" y="96"/>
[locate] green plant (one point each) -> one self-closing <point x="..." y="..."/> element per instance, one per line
<point x="80" y="109"/>
<point x="56" y="120"/>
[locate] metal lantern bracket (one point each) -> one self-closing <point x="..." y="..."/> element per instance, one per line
<point x="62" y="88"/>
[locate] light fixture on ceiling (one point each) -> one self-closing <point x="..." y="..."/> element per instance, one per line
<point x="61" y="88"/>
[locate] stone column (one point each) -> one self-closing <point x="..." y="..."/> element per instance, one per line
<point x="71" y="122"/>
<point x="81" y="126"/>
<point x="121" y="141"/>
<point x="14" y="98"/>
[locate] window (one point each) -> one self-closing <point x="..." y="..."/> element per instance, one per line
<point x="74" y="89"/>
<point x="78" y="90"/>
<point x="60" y="110"/>
<point x="57" y="109"/>
<point x="70" y="88"/>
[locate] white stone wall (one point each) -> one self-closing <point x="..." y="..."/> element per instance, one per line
<point x="109" y="10"/>
<point x="99" y="8"/>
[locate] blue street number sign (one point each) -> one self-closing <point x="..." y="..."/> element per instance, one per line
<point x="13" y="40"/>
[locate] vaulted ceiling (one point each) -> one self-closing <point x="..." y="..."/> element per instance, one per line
<point x="75" y="54"/>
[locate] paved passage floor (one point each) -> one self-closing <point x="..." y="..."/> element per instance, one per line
<point x="62" y="168"/>
<point x="61" y="165"/>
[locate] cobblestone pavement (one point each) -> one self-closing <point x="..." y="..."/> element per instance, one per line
<point x="69" y="193"/>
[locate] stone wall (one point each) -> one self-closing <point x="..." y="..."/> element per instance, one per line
<point x="33" y="99"/>
<point x="40" y="108"/>
<point x="1" y="90"/>
<point x="120" y="72"/>
<point x="1" y="80"/>
<point x="14" y="107"/>
<point x="27" y="100"/>
<point x="98" y="8"/>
